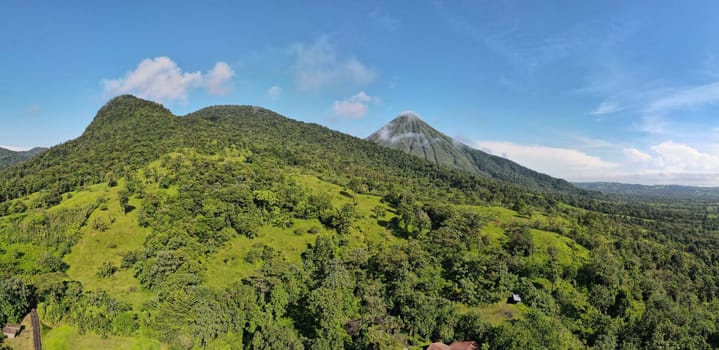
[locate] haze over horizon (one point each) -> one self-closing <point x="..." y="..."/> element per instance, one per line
<point x="611" y="91"/>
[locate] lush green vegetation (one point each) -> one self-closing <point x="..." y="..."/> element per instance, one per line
<point x="655" y="193"/>
<point x="8" y="157"/>
<point x="234" y="227"/>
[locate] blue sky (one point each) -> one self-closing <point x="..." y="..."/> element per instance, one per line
<point x="618" y="91"/>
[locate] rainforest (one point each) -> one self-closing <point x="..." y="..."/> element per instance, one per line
<point x="234" y="227"/>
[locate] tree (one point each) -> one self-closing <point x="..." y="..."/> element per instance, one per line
<point x="522" y="208"/>
<point x="110" y="179"/>
<point x="378" y="212"/>
<point x="106" y="270"/>
<point x="340" y="219"/>
<point x="534" y="331"/>
<point x="520" y="240"/>
<point x="124" y="198"/>
<point x="15" y="299"/>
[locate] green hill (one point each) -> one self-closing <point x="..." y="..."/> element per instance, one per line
<point x="412" y="135"/>
<point x="8" y="157"/>
<point x="236" y="228"/>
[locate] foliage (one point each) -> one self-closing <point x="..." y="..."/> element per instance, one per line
<point x="8" y="157"/>
<point x="240" y="228"/>
<point x="15" y="299"/>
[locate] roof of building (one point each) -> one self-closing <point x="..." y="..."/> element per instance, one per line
<point x="438" y="346"/>
<point x="11" y="328"/>
<point x="464" y="345"/>
<point x="458" y="345"/>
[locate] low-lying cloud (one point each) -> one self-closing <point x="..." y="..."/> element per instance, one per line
<point x="566" y="163"/>
<point x="16" y="148"/>
<point x="667" y="162"/>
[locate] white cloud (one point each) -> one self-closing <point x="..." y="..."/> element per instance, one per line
<point x="657" y="110"/>
<point x="411" y="114"/>
<point x="675" y="157"/>
<point x="566" y="163"/>
<point x="685" y="98"/>
<point x="274" y="92"/>
<point x="526" y="50"/>
<point x="670" y="162"/>
<point x="16" y="148"/>
<point x="589" y="142"/>
<point x="666" y="162"/>
<point x="318" y="66"/>
<point x="606" y="107"/>
<point x="162" y="79"/>
<point x="350" y="109"/>
<point x="354" y="107"/>
<point x="653" y="124"/>
<point x="218" y="78"/>
<point x="634" y="155"/>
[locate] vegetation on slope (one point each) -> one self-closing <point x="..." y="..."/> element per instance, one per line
<point x="234" y="227"/>
<point x="8" y="157"/>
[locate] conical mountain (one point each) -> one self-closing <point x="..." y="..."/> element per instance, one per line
<point x="409" y="133"/>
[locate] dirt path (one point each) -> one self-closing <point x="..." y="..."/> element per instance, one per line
<point x="36" y="330"/>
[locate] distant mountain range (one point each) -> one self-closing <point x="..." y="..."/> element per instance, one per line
<point x="409" y="133"/>
<point x="654" y="192"/>
<point x="8" y="157"/>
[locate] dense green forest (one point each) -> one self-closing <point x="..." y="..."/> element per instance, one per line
<point x="236" y="228"/>
<point x="8" y="157"/>
<point x="655" y="193"/>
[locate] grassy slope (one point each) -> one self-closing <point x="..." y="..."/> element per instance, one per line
<point x="228" y="263"/>
<point x="66" y="337"/>
<point x="499" y="312"/>
<point x="96" y="247"/>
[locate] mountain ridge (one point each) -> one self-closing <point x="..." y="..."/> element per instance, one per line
<point x="237" y="225"/>
<point x="9" y="157"/>
<point x="128" y="132"/>
<point x="410" y="134"/>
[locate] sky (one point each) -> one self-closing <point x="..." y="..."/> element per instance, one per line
<point x="623" y="91"/>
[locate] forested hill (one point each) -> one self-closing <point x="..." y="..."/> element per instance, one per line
<point x="412" y="135"/>
<point x="236" y="228"/>
<point x="8" y="157"/>
<point x="127" y="133"/>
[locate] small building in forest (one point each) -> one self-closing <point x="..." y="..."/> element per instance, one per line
<point x="438" y="346"/>
<point x="464" y="345"/>
<point x="11" y="330"/>
<point x="514" y="299"/>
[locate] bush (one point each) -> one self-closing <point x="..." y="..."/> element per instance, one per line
<point x="106" y="270"/>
